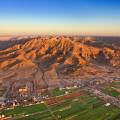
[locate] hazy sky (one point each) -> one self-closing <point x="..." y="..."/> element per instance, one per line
<point x="95" y="17"/>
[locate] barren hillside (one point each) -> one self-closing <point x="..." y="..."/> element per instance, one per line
<point x="44" y="60"/>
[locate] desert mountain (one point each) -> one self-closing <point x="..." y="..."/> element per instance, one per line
<point x="43" y="60"/>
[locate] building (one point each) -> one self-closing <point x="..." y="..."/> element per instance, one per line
<point x="23" y="91"/>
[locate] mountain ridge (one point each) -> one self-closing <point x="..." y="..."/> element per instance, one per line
<point x="54" y="57"/>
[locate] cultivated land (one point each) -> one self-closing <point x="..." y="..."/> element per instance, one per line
<point x="112" y="89"/>
<point x="81" y="107"/>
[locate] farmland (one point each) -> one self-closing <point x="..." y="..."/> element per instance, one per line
<point x="78" y="107"/>
<point x="112" y="89"/>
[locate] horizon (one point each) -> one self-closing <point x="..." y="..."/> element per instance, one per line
<point x="63" y="17"/>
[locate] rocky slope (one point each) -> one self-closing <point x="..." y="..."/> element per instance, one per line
<point x="42" y="60"/>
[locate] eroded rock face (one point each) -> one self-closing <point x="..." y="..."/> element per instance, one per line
<point x="42" y="60"/>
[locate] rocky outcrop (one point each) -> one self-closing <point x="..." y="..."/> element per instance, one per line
<point x="53" y="56"/>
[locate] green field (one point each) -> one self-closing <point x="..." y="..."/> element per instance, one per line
<point x="58" y="92"/>
<point x="85" y="107"/>
<point x="112" y="89"/>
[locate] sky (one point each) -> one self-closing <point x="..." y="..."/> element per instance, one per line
<point x="77" y="17"/>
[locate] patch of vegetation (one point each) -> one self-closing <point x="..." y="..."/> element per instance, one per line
<point x="84" y="107"/>
<point x="111" y="90"/>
